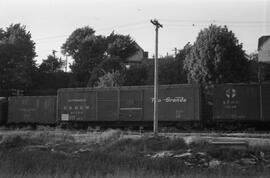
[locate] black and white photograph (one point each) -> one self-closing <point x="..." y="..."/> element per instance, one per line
<point x="134" y="88"/>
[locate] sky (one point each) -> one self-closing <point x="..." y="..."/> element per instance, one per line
<point x="52" y="21"/>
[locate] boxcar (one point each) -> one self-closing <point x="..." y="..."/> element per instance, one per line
<point x="236" y="102"/>
<point x="177" y="103"/>
<point x="3" y="110"/>
<point x="265" y="94"/>
<point x="32" y="109"/>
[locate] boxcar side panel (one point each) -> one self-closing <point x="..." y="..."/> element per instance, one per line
<point x="77" y="106"/>
<point x="131" y="108"/>
<point x="107" y="105"/>
<point x="3" y="110"/>
<point x="35" y="109"/>
<point x="266" y="102"/>
<point x="175" y="103"/>
<point x="236" y="102"/>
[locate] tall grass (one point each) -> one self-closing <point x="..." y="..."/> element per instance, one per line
<point x="105" y="154"/>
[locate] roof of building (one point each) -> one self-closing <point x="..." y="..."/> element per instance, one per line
<point x="262" y="40"/>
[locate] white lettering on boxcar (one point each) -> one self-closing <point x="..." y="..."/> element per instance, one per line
<point x="64" y="117"/>
<point x="177" y="99"/>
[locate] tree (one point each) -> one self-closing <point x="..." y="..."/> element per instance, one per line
<point x="17" y="52"/>
<point x="171" y="71"/>
<point x="121" y="46"/>
<point x="51" y="80"/>
<point x="87" y="50"/>
<point x="90" y="51"/>
<point x="50" y="75"/>
<point x="216" y="57"/>
<point x="110" y="79"/>
<point x="51" y="64"/>
<point x="137" y="74"/>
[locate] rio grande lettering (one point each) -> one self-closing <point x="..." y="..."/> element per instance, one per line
<point x="178" y="99"/>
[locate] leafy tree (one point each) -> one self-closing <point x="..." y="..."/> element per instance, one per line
<point x="137" y="74"/>
<point x="253" y="57"/>
<point x="216" y="57"/>
<point x="110" y="79"/>
<point x="50" y="75"/>
<point x="51" y="80"/>
<point x="110" y="64"/>
<point x="90" y="51"/>
<point x="87" y="50"/>
<point x="17" y="52"/>
<point x="170" y="72"/>
<point x="51" y="64"/>
<point x="121" y="46"/>
<point x="253" y="67"/>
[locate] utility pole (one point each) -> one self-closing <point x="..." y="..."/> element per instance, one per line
<point x="53" y="52"/>
<point x="66" y="63"/>
<point x="158" y="25"/>
<point x="260" y="86"/>
<point x="175" y="51"/>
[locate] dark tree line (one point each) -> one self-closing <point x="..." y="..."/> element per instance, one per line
<point x="215" y="57"/>
<point x="17" y="52"/>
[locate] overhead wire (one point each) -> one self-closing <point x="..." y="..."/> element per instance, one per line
<point x="175" y="23"/>
<point x="216" y="21"/>
<point x="99" y="29"/>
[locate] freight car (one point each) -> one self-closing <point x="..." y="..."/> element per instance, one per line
<point x="240" y="106"/>
<point x="129" y="106"/>
<point x="3" y="110"/>
<point x="233" y="106"/>
<point x="24" y="110"/>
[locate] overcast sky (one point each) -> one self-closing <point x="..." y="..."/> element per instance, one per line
<point x="52" y="21"/>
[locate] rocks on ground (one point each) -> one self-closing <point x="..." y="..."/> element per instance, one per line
<point x="203" y="159"/>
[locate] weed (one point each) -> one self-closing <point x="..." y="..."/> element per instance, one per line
<point x="14" y="141"/>
<point x="109" y="155"/>
<point x="109" y="136"/>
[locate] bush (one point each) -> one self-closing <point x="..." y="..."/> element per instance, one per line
<point x="15" y="141"/>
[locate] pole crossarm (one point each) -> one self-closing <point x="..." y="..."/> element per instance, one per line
<point x="156" y="23"/>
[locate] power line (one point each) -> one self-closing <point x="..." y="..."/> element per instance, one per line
<point x="100" y="29"/>
<point x="174" y="23"/>
<point x="124" y="26"/>
<point x="217" y="21"/>
<point x="203" y="25"/>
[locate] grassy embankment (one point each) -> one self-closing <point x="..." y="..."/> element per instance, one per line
<point x="62" y="155"/>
